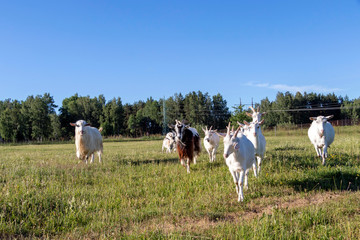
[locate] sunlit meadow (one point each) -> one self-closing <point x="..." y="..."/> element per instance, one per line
<point x="140" y="192"/>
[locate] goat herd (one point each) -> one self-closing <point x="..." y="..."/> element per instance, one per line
<point x="243" y="148"/>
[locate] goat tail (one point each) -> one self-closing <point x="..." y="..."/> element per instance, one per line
<point x="197" y="144"/>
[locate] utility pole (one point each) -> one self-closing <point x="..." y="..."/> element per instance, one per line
<point x="164" y="119"/>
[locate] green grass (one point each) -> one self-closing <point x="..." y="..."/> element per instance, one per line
<point x="139" y="192"/>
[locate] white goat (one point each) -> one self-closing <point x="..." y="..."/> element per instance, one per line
<point x="321" y="134"/>
<point x="256" y="114"/>
<point x="88" y="140"/>
<point x="253" y="132"/>
<point x="239" y="154"/>
<point x="211" y="143"/>
<point x="169" y="142"/>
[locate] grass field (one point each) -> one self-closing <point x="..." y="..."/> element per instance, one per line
<point x="139" y="192"/>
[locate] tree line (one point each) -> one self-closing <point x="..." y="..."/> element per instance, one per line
<point x="36" y="119"/>
<point x="288" y="108"/>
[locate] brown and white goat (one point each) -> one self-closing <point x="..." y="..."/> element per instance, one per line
<point x="187" y="143"/>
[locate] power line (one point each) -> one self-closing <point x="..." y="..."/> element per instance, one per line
<point x="220" y="113"/>
<point x="313" y="109"/>
<point x="164" y="120"/>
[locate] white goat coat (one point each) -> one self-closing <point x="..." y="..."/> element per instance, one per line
<point x="321" y="142"/>
<point x="212" y="145"/>
<point x="239" y="161"/>
<point x="242" y="158"/>
<point x="258" y="141"/>
<point x="88" y="143"/>
<point x="168" y="142"/>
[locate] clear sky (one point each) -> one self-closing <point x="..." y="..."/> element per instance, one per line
<point x="137" y="49"/>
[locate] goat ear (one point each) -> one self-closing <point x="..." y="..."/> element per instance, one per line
<point x="249" y="114"/>
<point x="172" y="126"/>
<point x="73" y="124"/>
<point x="187" y="126"/>
<point x="263" y="113"/>
<point x="236" y="146"/>
<point x="88" y="124"/>
<point x="261" y="122"/>
<point x="313" y="118"/>
<point x="329" y="117"/>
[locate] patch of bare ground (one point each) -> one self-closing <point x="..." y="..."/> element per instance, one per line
<point x="257" y="208"/>
<point x="254" y="209"/>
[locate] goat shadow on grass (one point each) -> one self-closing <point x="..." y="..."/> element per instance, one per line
<point x="343" y="159"/>
<point x="288" y="148"/>
<point x="133" y="140"/>
<point x="327" y="181"/>
<point x="149" y="161"/>
<point x="215" y="164"/>
<point x="283" y="159"/>
<point x="311" y="160"/>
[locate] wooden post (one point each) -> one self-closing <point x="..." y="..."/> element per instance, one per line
<point x="275" y="131"/>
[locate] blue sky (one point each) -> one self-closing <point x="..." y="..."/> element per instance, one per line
<point x="137" y="49"/>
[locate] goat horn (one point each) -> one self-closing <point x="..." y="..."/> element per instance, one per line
<point x="252" y="109"/>
<point x="240" y="124"/>
<point x="246" y="123"/>
<point x="237" y="131"/>
<point x="258" y="108"/>
<point x="210" y="128"/>
<point x="220" y="134"/>
<point x="249" y="114"/>
<point x="228" y="129"/>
